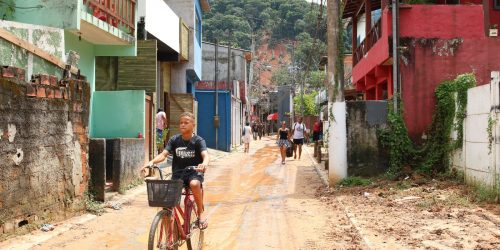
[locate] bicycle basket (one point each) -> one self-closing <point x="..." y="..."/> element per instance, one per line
<point x="164" y="193"/>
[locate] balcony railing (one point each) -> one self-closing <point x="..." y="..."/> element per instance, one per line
<point x="371" y="38"/>
<point x="118" y="13"/>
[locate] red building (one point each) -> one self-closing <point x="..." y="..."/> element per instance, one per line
<point x="437" y="42"/>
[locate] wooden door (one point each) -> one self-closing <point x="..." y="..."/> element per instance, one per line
<point x="179" y="103"/>
<point x="148" y="137"/>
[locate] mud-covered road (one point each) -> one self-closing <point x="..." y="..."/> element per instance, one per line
<point x="254" y="202"/>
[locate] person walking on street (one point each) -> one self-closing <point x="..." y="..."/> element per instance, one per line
<point x="261" y="130"/>
<point x="316" y="131"/>
<point x="299" y="133"/>
<point x="161" y="124"/>
<point x="247" y="137"/>
<point x="283" y="140"/>
<point x="254" y="130"/>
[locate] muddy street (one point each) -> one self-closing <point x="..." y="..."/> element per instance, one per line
<point x="254" y="202"/>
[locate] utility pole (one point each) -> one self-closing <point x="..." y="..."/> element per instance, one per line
<point x="216" y="117"/>
<point x="337" y="131"/>
<point x="228" y="63"/>
<point x="395" y="52"/>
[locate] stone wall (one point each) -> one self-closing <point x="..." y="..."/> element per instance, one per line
<point x="43" y="149"/>
<point x="364" y="155"/>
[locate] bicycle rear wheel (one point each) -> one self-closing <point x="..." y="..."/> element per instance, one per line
<point x="195" y="241"/>
<point x="164" y="233"/>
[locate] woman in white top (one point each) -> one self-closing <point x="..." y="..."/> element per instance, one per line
<point x="299" y="132"/>
<point x="247" y="136"/>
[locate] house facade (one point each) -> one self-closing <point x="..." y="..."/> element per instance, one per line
<point x="437" y="42"/>
<point x="232" y="79"/>
<point x="184" y="75"/>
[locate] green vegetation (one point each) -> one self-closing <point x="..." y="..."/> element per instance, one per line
<point x="355" y="181"/>
<point x="281" y="19"/>
<point x="132" y="184"/>
<point x="491" y="125"/>
<point x="308" y="102"/>
<point x="93" y="206"/>
<point x="433" y="156"/>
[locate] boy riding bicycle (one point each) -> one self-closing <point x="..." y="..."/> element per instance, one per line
<point x="187" y="149"/>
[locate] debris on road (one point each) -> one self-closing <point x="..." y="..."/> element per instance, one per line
<point x="115" y="206"/>
<point x="407" y="198"/>
<point x="47" y="227"/>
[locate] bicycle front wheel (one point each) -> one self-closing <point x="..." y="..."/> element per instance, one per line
<point x="195" y="240"/>
<point x="164" y="233"/>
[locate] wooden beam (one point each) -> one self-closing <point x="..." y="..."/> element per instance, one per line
<point x="34" y="50"/>
<point x="368" y="15"/>
<point x="361" y="7"/>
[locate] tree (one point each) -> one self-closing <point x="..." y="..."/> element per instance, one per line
<point x="316" y="79"/>
<point x="308" y="51"/>
<point x="308" y="102"/>
<point x="282" y="76"/>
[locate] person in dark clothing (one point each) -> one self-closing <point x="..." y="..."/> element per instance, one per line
<point x="255" y="128"/>
<point x="283" y="140"/>
<point x="261" y="130"/>
<point x="187" y="149"/>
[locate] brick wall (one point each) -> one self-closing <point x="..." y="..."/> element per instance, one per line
<point x="43" y="149"/>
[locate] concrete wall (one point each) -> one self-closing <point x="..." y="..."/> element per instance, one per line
<point x="64" y="14"/>
<point x="187" y="11"/>
<point x="43" y="151"/>
<point x="433" y="54"/>
<point x="118" y="114"/>
<point x="126" y="159"/>
<point x="479" y="159"/>
<point x="364" y="156"/>
<point x="238" y="64"/>
<point x="157" y="13"/>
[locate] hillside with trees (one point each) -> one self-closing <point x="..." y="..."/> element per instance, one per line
<point x="288" y="38"/>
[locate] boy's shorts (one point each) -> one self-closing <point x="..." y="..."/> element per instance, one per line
<point x="298" y="141"/>
<point x="189" y="176"/>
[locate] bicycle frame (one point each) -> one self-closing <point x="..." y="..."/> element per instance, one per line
<point x="178" y="212"/>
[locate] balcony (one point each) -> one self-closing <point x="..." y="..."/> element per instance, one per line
<point x="115" y="17"/>
<point x="371" y="38"/>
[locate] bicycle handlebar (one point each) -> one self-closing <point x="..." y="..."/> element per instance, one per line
<point x="191" y="168"/>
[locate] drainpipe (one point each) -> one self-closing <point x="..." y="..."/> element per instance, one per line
<point x="216" y="117"/>
<point x="395" y="53"/>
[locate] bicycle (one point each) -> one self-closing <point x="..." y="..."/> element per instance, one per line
<point x="167" y="230"/>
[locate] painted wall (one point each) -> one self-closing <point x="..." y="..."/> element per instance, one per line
<point x="120" y="114"/>
<point x="49" y="39"/>
<point x="434" y="53"/>
<point x="478" y="160"/>
<point x="466" y="21"/>
<point x="157" y="13"/>
<point x="64" y="14"/>
<point x="377" y="55"/>
<point x="205" y="117"/>
<point x="187" y="11"/>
